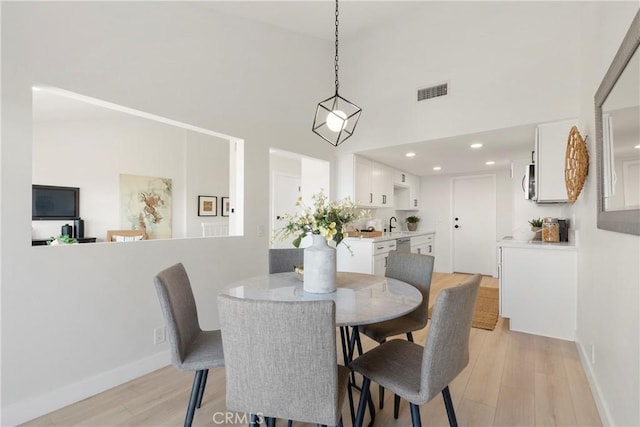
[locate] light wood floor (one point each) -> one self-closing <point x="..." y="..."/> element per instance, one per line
<point x="513" y="379"/>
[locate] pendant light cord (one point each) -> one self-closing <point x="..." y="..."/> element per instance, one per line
<point x="336" y="57"/>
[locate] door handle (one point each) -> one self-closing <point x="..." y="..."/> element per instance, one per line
<point x="456" y="226"/>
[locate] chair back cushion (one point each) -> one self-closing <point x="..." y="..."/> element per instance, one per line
<point x="446" y="350"/>
<point x="284" y="260"/>
<point x="280" y="358"/>
<point x="179" y="310"/>
<point x="416" y="270"/>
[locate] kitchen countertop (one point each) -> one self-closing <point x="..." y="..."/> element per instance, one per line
<point x="393" y="235"/>
<point x="537" y="244"/>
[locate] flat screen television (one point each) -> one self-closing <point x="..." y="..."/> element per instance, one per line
<point x="51" y="202"/>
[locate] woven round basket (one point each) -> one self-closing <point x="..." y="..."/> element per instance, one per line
<point x="576" y="164"/>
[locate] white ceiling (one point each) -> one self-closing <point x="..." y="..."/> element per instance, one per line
<point x="316" y="19"/>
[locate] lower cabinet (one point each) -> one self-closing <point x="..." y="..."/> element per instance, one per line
<point x="364" y="255"/>
<point x="423" y="244"/>
<point x="538" y="290"/>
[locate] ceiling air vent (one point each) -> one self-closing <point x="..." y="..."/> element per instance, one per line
<point x="433" y="91"/>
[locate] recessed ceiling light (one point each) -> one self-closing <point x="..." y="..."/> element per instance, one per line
<point x="436" y="168"/>
<point x="490" y="162"/>
<point x="637" y="146"/>
<point x="476" y="145"/>
<point x="36" y="88"/>
<point x="411" y="154"/>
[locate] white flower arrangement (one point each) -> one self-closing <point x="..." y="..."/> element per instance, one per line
<point x="328" y="219"/>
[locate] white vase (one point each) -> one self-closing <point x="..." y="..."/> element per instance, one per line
<point x="319" y="267"/>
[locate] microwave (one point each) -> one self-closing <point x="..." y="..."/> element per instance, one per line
<point x="529" y="182"/>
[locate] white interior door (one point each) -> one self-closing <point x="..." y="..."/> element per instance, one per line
<point x="474" y="224"/>
<point x="285" y="192"/>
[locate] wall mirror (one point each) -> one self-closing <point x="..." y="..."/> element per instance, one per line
<point x="116" y="155"/>
<point x="617" y="110"/>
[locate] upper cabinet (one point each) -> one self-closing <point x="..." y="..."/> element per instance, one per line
<point x="414" y="192"/>
<point x="399" y="177"/>
<point x="550" y="149"/>
<point x="368" y="183"/>
<point x="407" y="192"/>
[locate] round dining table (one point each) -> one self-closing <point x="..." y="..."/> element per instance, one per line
<point x="360" y="299"/>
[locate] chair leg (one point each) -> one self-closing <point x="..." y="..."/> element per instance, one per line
<point x="381" y="389"/>
<point x="364" y="394"/>
<point x="195" y="389"/>
<point x="271" y="422"/>
<point x="409" y="336"/>
<point x="351" y="409"/>
<point x="396" y="406"/>
<point x="449" y="405"/>
<point x="253" y="420"/>
<point x="290" y="423"/>
<point x="415" y="415"/>
<point x="203" y="383"/>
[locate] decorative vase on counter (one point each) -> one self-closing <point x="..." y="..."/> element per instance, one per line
<point x="412" y="226"/>
<point x="319" y="267"/>
<point x="537" y="233"/>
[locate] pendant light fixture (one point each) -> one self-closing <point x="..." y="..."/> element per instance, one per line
<point x="336" y="118"/>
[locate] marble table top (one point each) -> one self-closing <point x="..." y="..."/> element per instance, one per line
<point x="360" y="298"/>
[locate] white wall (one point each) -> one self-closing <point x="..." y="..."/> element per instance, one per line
<point x="91" y="155"/>
<point x="79" y="319"/>
<point x="608" y="262"/>
<point x="504" y="70"/>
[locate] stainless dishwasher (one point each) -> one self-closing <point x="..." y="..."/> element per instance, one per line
<point x="403" y="244"/>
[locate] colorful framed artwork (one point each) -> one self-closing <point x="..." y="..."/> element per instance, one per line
<point x="225" y="206"/>
<point x="207" y="206"/>
<point x="145" y="204"/>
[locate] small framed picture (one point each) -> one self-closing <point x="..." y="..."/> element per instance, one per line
<point x="225" y="206"/>
<point x="207" y="206"/>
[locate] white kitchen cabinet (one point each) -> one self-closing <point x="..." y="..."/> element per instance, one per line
<point x="550" y="151"/>
<point x="399" y="177"/>
<point x="364" y="255"/>
<point x="414" y="191"/>
<point x="538" y="289"/>
<point x="363" y="181"/>
<point x="423" y="244"/>
<point x="382" y="185"/>
<point x="407" y="193"/>
<point x="367" y="183"/>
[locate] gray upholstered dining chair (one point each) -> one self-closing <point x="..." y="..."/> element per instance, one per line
<point x="395" y="364"/>
<point x="281" y="359"/>
<point x="285" y="259"/>
<point x="192" y="349"/>
<point x="416" y="270"/>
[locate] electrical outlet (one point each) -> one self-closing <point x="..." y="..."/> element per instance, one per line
<point x="159" y="335"/>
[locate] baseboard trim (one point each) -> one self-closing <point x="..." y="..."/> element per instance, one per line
<point x="38" y="406"/>
<point x="603" y="409"/>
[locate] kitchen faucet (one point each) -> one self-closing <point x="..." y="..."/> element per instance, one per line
<point x="391" y="227"/>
